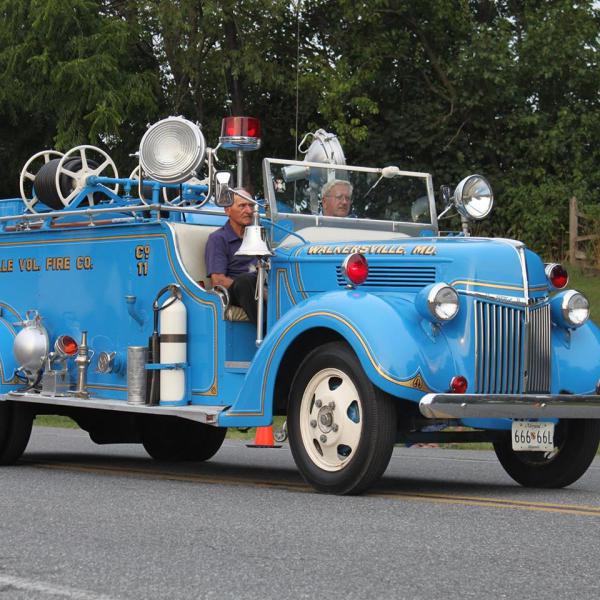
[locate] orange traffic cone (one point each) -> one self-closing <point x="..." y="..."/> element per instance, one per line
<point x="263" y="438"/>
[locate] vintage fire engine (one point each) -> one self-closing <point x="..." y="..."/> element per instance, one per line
<point x="373" y="329"/>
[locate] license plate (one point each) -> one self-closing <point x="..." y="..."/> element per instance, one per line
<point x="532" y="435"/>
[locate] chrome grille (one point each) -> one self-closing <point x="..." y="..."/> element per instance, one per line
<point x="538" y="350"/>
<point x="395" y="276"/>
<point x="511" y="357"/>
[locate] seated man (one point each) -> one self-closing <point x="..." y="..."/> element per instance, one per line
<point x="236" y="273"/>
<point x="336" y="197"/>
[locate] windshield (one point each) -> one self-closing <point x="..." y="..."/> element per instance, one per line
<point x="351" y="192"/>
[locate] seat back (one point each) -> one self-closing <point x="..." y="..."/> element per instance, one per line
<point x="191" y="243"/>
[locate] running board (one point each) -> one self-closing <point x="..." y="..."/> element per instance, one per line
<point x="201" y="414"/>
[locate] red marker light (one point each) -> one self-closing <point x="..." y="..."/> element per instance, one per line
<point x="65" y="344"/>
<point x="458" y="384"/>
<point x="557" y="275"/>
<point x="355" y="268"/>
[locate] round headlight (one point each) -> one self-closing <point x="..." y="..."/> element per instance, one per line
<point x="473" y="197"/>
<point x="570" y="309"/>
<point x="575" y="308"/>
<point x="437" y="302"/>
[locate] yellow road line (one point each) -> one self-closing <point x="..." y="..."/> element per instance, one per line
<point x="171" y="476"/>
<point x="439" y="498"/>
<point x="567" y="509"/>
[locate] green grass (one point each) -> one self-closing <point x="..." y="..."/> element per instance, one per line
<point x="55" y="421"/>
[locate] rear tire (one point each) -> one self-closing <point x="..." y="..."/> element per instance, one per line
<point x="576" y="442"/>
<point x="16" y="421"/>
<point x="173" y="439"/>
<point x="341" y="427"/>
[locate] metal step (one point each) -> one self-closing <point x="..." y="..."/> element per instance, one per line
<point x="202" y="414"/>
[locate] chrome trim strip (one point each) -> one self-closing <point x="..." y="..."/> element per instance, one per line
<point x="237" y="364"/>
<point x="518" y="351"/>
<point x="202" y="414"/>
<point x="495" y="297"/>
<point x="525" y="379"/>
<point x="510" y="406"/>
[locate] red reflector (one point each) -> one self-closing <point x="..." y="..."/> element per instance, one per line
<point x="458" y="384"/>
<point x="240" y="127"/>
<point x="557" y="276"/>
<point x="356" y="268"/>
<point x="67" y="345"/>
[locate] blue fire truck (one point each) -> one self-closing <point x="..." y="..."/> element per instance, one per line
<point x="373" y="328"/>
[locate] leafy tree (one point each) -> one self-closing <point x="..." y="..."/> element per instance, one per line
<point x="70" y="73"/>
<point x="507" y="88"/>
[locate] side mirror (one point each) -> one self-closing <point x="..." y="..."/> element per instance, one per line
<point x="445" y="196"/>
<point x="223" y="195"/>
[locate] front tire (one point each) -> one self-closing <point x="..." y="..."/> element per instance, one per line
<point x="174" y="439"/>
<point x="576" y="444"/>
<point x="341" y="427"/>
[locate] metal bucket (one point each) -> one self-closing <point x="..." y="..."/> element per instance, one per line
<point x="137" y="357"/>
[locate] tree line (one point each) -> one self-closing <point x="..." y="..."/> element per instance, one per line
<point x="505" y="88"/>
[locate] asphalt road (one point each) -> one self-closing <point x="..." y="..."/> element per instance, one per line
<point x="89" y="522"/>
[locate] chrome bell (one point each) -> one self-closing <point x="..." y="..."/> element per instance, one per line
<point x="254" y="243"/>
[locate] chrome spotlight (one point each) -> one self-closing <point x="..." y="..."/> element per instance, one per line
<point x="172" y="150"/>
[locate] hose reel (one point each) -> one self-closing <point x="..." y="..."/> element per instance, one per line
<point x="29" y="173"/>
<point x="62" y="177"/>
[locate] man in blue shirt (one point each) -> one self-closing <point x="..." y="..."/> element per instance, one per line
<point x="236" y="273"/>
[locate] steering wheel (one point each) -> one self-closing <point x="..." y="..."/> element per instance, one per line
<point x="76" y="166"/>
<point x="28" y="173"/>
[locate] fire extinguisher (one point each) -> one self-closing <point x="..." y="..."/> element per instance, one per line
<point x="168" y="345"/>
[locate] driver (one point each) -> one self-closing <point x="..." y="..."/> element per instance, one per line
<point x="336" y="197"/>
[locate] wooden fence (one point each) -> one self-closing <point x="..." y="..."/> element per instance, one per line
<point x="583" y="249"/>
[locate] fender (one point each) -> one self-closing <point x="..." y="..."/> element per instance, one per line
<point x="576" y="359"/>
<point x="398" y="353"/>
<point x="8" y="331"/>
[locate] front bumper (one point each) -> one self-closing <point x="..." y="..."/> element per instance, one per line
<point x="500" y="406"/>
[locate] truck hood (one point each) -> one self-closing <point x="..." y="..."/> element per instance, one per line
<point x="492" y="266"/>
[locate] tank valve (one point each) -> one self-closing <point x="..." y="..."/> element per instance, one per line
<point x="82" y="361"/>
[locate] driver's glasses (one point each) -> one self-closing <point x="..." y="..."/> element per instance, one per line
<point x="341" y="197"/>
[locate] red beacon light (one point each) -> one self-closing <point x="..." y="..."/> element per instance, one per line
<point x="557" y="275"/>
<point x="355" y="269"/>
<point x="240" y="133"/>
